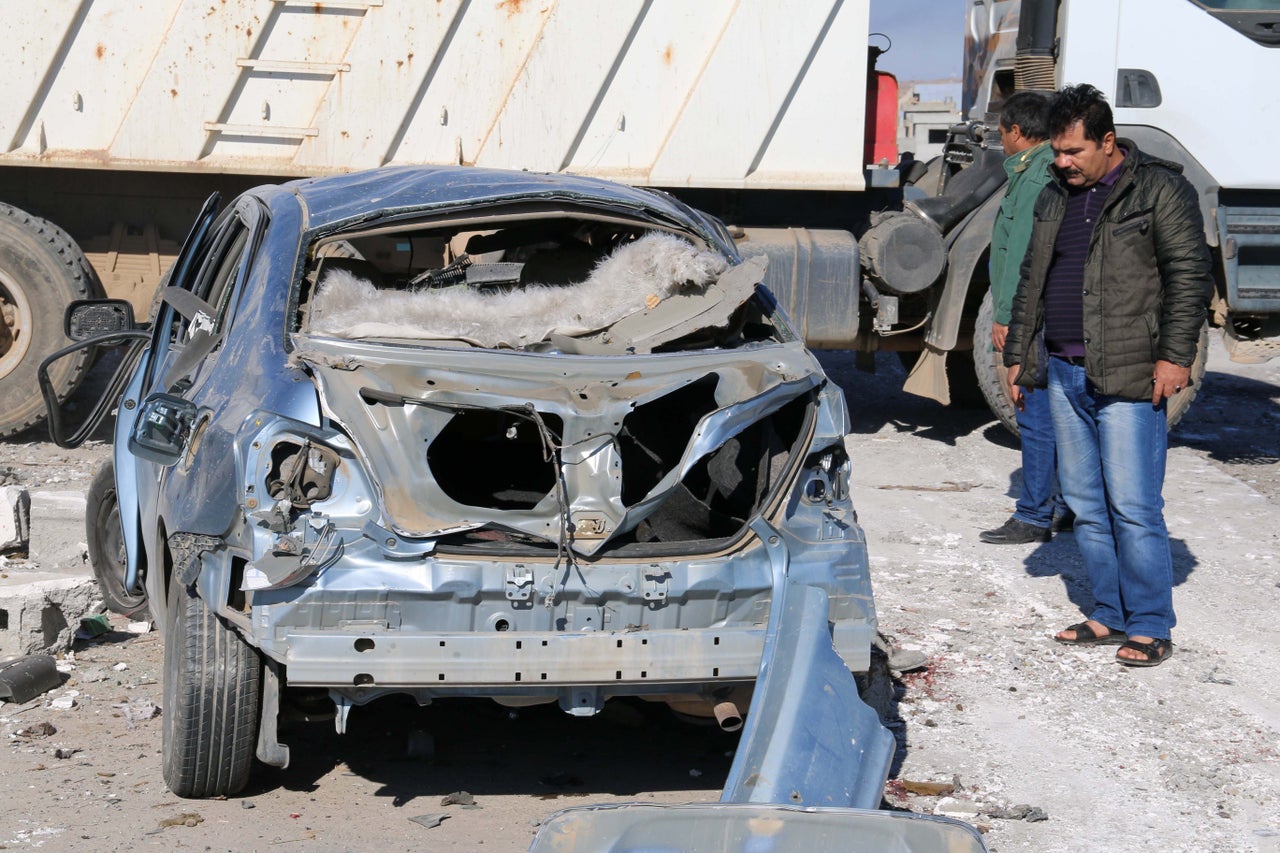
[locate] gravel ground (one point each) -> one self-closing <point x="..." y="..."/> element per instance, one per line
<point x="1002" y="728"/>
<point x="1182" y="757"/>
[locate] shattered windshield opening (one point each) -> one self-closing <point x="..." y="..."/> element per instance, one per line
<point x="540" y="281"/>
<point x="544" y="379"/>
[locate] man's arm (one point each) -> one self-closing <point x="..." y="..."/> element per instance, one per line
<point x="1182" y="258"/>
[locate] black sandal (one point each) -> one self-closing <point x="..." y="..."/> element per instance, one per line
<point x="1085" y="636"/>
<point x="1157" y="652"/>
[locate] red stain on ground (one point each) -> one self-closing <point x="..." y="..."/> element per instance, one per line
<point x="666" y="55"/>
<point x="100" y="51"/>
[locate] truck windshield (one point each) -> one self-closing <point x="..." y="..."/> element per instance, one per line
<point x="1256" y="19"/>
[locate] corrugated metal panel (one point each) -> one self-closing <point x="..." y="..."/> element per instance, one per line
<point x="721" y="93"/>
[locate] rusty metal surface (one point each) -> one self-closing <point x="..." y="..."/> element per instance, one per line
<point x="643" y="92"/>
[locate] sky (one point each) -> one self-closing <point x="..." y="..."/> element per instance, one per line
<point x="928" y="37"/>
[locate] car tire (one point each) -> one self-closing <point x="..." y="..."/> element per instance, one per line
<point x="989" y="366"/>
<point x="212" y="689"/>
<point x="105" y="539"/>
<point x="41" y="271"/>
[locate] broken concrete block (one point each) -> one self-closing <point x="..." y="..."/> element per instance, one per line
<point x="42" y="615"/>
<point x="57" y="532"/>
<point x="15" y="518"/>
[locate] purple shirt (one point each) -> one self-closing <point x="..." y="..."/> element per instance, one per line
<point x="1064" y="285"/>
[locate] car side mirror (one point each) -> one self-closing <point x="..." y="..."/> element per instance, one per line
<point x="89" y="318"/>
<point x="160" y="434"/>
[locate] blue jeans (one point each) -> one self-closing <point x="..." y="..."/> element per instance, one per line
<point x="1040" y="499"/>
<point x="1111" y="461"/>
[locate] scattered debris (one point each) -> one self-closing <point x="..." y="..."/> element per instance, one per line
<point x="65" y="751"/>
<point x="38" y="730"/>
<point x="430" y="821"/>
<point x="458" y="798"/>
<point x="138" y="627"/>
<point x="137" y="711"/>
<point x="15" y="519"/>
<point x="24" y="678"/>
<point x="947" y="486"/>
<point x="958" y="808"/>
<point x="928" y="789"/>
<point x="120" y="667"/>
<point x="247" y="804"/>
<point x="184" y="819"/>
<point x="66" y="701"/>
<point x="93" y="626"/>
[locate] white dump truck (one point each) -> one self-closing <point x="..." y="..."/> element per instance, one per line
<point x="121" y="116"/>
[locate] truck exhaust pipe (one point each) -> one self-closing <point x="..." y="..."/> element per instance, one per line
<point x="1035" y="65"/>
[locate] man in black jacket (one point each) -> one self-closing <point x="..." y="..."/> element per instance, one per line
<point x="1107" y="316"/>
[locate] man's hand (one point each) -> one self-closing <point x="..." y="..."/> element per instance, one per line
<point x="1169" y="379"/>
<point x="998" y="333"/>
<point x="1016" y="390"/>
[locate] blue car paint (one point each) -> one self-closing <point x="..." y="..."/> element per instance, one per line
<point x="249" y="385"/>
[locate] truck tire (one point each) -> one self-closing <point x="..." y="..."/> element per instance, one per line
<point x="990" y="368"/>
<point x="105" y="539"/>
<point x="212" y="687"/>
<point x="41" y="272"/>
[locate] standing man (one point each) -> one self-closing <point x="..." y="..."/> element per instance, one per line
<point x="1025" y="139"/>
<point x="1112" y="295"/>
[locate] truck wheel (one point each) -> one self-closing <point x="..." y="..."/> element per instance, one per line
<point x="41" y="272"/>
<point x="106" y="544"/>
<point x="991" y="372"/>
<point x="212" y="685"/>
<point x="989" y="366"/>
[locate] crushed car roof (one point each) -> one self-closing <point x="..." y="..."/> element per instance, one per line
<point x="340" y="199"/>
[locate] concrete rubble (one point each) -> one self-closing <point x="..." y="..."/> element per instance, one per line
<point x="41" y="611"/>
<point x="46" y="586"/>
<point x="15" y="519"/>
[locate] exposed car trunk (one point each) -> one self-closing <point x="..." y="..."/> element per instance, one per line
<point x="553" y="381"/>
<point x="488" y="448"/>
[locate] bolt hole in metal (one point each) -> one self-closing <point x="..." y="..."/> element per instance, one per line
<point x="363" y="679"/>
<point x="364" y="644"/>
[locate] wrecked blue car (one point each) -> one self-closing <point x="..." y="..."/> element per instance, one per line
<point x="458" y="432"/>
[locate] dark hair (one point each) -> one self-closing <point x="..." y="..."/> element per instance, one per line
<point x="1081" y="103"/>
<point x="1029" y="111"/>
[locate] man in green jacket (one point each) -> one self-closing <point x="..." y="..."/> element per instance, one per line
<point x="1111" y="299"/>
<point x="1024" y="137"/>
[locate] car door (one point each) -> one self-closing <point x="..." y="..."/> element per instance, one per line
<point x="160" y="407"/>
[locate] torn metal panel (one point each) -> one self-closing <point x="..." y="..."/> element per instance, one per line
<point x="748" y="828"/>
<point x="809" y="740"/>
<point x="397" y="405"/>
